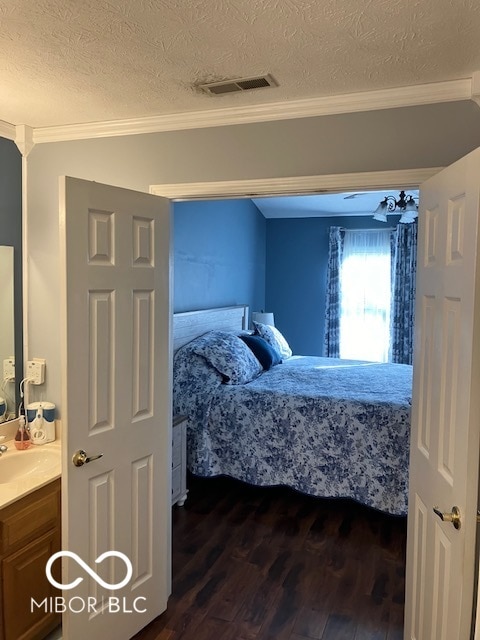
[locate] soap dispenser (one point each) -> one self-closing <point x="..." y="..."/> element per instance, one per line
<point x="22" y="437"/>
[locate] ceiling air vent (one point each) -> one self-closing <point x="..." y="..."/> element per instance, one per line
<point x="238" y="84"/>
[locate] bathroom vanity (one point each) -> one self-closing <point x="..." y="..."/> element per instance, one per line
<point x="30" y="527"/>
<point x="29" y="535"/>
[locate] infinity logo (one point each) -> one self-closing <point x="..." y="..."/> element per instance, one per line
<point x="91" y="573"/>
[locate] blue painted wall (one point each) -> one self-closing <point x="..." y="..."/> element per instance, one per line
<point x="219" y="254"/>
<point x="11" y="231"/>
<point x="226" y="253"/>
<point x="296" y="275"/>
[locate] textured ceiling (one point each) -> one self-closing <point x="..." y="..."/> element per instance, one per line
<point x="357" y="203"/>
<point x="72" y="61"/>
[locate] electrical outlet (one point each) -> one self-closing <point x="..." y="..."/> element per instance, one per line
<point x="36" y="371"/>
<point x="9" y="369"/>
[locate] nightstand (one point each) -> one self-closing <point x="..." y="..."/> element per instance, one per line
<point x="179" y="460"/>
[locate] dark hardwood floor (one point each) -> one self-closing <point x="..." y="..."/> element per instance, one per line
<point x="264" y="564"/>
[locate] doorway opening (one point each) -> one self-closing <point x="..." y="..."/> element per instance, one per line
<point x="343" y="525"/>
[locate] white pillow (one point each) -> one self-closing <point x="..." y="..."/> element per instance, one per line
<point x="273" y="336"/>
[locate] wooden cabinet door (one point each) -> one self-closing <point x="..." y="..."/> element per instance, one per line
<point x="23" y="577"/>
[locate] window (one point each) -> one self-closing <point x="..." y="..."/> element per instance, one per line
<point x="365" y="295"/>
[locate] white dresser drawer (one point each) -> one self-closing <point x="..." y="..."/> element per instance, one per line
<point x="176" y="454"/>
<point x="176" y="482"/>
<point x="177" y="436"/>
<point x="177" y="445"/>
<point x="179" y="460"/>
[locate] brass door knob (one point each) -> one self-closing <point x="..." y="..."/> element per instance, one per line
<point x="453" y="516"/>
<point x="80" y="458"/>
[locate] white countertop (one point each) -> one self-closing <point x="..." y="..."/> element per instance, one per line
<point x="12" y="490"/>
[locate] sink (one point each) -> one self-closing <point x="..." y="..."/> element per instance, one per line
<point x="37" y="461"/>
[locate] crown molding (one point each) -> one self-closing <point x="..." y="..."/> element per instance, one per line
<point x="373" y="180"/>
<point x="7" y="130"/>
<point x="24" y="139"/>
<point x="408" y="96"/>
<point x="476" y="87"/>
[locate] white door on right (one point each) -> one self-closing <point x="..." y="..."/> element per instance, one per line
<point x="444" y="458"/>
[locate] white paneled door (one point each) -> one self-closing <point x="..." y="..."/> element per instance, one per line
<point x="444" y="460"/>
<point x="116" y="401"/>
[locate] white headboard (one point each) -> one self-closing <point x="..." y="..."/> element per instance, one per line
<point x="191" y="324"/>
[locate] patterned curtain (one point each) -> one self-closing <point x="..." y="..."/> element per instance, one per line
<point x="331" y="341"/>
<point x="403" y="292"/>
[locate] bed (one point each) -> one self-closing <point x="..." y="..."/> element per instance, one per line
<point x="323" y="426"/>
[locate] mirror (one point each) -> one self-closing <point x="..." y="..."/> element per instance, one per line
<point x="11" y="323"/>
<point x="7" y="335"/>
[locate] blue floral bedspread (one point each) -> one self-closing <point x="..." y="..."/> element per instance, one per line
<point x="323" y="426"/>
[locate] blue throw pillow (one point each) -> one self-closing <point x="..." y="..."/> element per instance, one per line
<point x="264" y="352"/>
